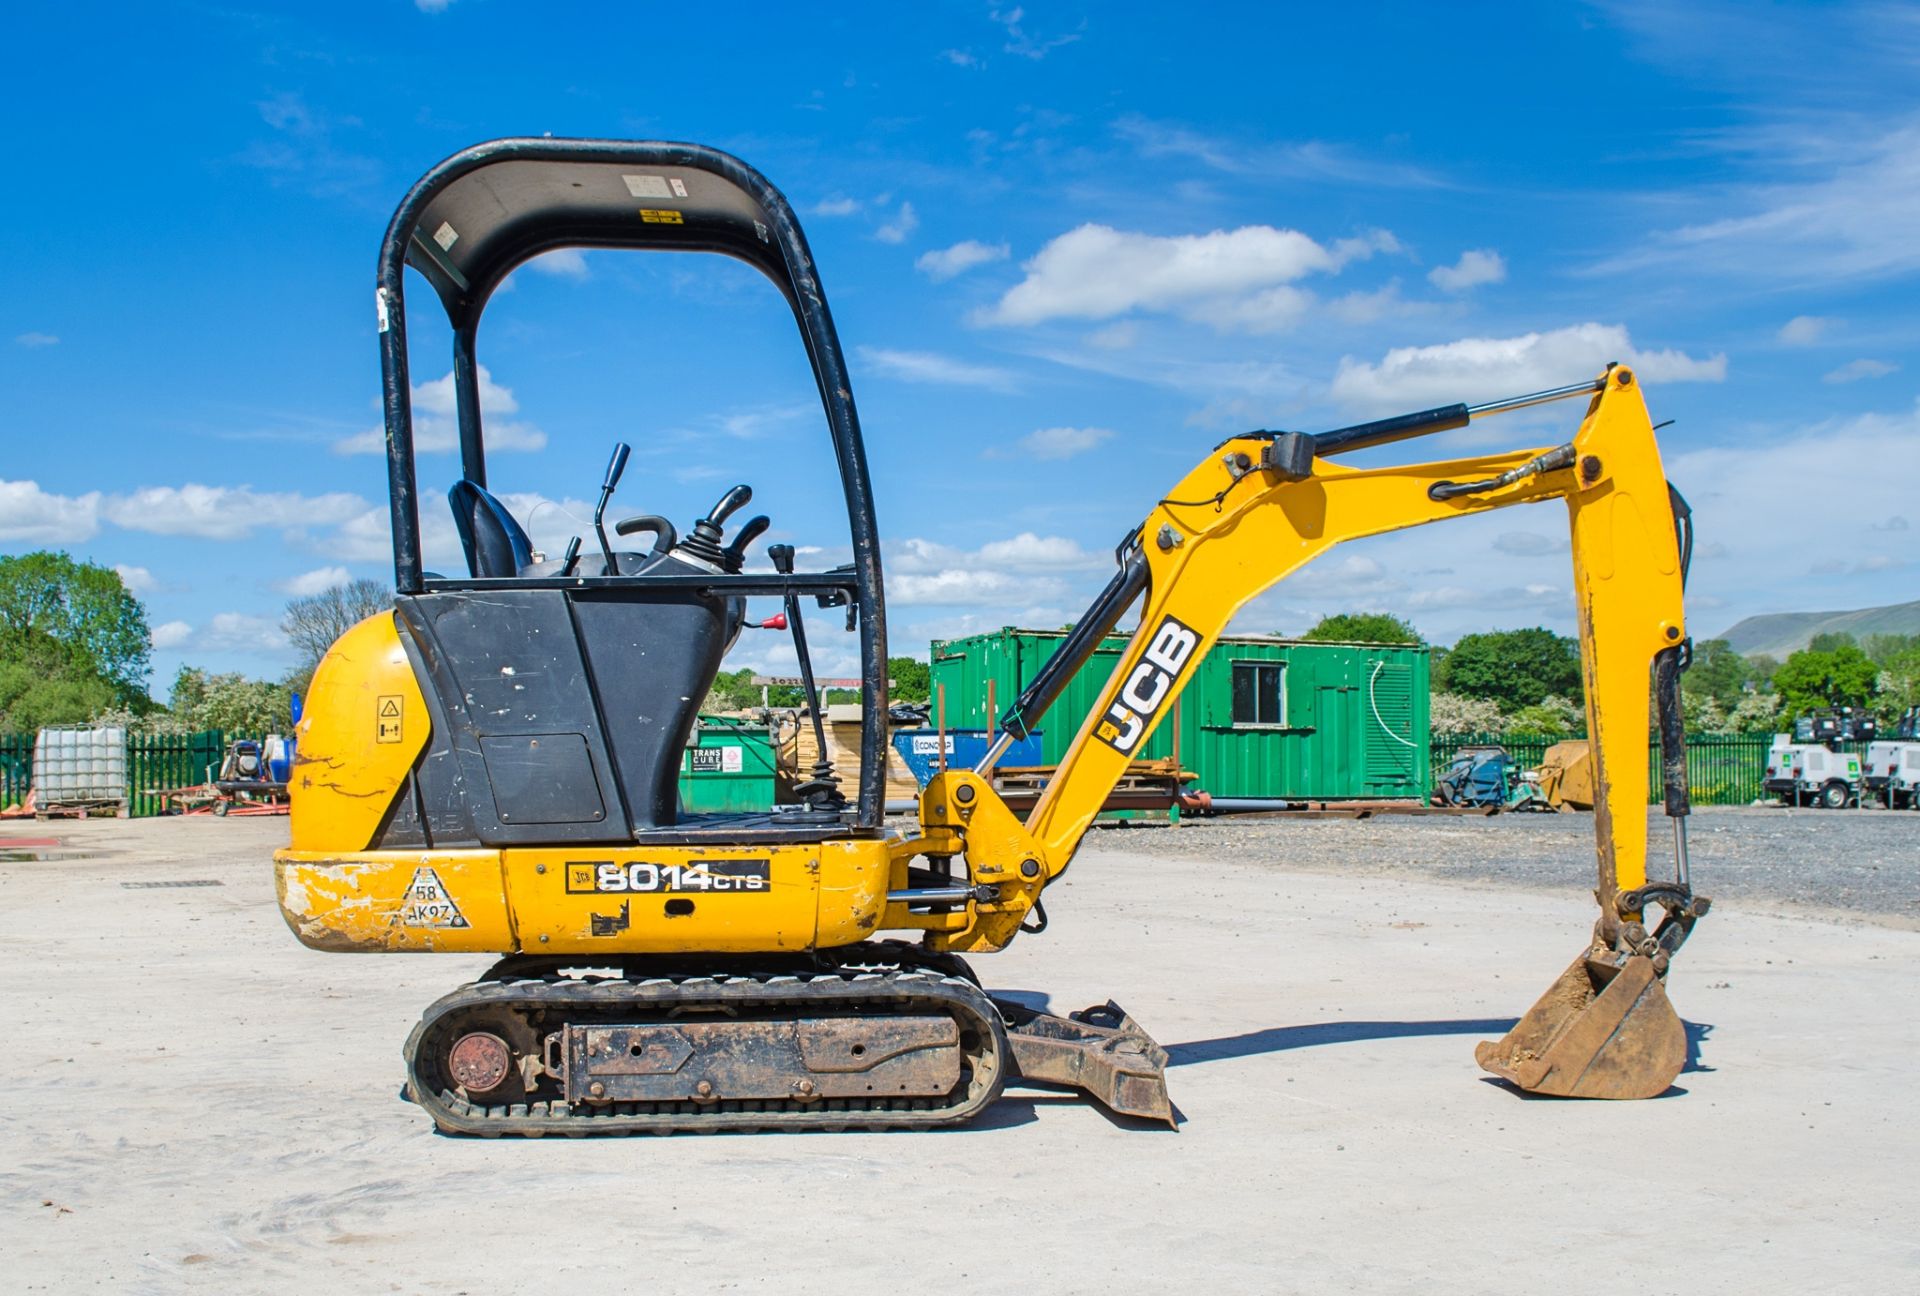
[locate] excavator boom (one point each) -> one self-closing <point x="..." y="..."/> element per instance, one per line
<point x="1265" y="505"/>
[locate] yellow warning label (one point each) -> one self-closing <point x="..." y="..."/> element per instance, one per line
<point x="388" y="715"/>
<point x="658" y="216"/>
<point x="1107" y="731"/>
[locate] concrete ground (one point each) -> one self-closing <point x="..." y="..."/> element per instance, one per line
<point x="195" y="1102"/>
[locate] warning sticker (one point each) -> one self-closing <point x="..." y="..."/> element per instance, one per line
<point x="389" y="713"/>
<point x="446" y="236"/>
<point x="427" y="903"/>
<point x="653" y="216"/>
<point x="645" y="186"/>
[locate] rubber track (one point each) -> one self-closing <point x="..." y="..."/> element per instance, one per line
<point x="606" y="1000"/>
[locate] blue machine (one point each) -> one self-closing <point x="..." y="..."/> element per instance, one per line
<point x="920" y="749"/>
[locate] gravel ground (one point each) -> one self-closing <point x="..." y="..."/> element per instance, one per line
<point x="1858" y="865"/>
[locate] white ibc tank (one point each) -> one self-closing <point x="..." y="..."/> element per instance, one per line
<point x="80" y="765"/>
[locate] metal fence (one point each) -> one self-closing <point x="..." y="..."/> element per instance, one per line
<point x="154" y="762"/>
<point x="1722" y="769"/>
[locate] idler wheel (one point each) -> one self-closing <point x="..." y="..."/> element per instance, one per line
<point x="479" y="1062"/>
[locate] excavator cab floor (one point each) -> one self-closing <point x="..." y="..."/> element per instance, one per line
<point x="1604" y="1029"/>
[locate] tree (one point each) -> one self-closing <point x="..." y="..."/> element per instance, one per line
<point x="312" y="622"/>
<point x="1757" y="713"/>
<point x="732" y="691"/>
<point x="73" y="622"/>
<point x="1718" y="673"/>
<point x="1362" y="627"/>
<point x="1831" y="641"/>
<point x="1899" y="680"/>
<point x="1551" y="717"/>
<point x="1811" y="680"/>
<point x="1454" y="715"/>
<point x="30" y="699"/>
<point x="1760" y="669"/>
<point x="1516" y="668"/>
<point x="912" y="679"/>
<point x="231" y="702"/>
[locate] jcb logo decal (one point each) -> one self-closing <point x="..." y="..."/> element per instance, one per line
<point x="1147" y="686"/>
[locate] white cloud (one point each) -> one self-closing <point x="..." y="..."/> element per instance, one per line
<point x="1805" y="330"/>
<point x="1479" y="266"/>
<point x="240" y="632"/>
<point x="1115" y="337"/>
<point x="316" y="581"/>
<point x="1018" y="40"/>
<point x="960" y="258"/>
<point x="1845" y="210"/>
<point x="36" y="339"/>
<point x="1010" y="575"/>
<point x="897" y="229"/>
<point x="433" y="6"/>
<point x="1855" y="370"/>
<point x="1303" y="160"/>
<point x="1231" y="278"/>
<point x="1056" y="443"/>
<point x="138" y="580"/>
<point x="927" y="367"/>
<point x="224" y="512"/>
<point x="435" y="425"/>
<point x="953" y="586"/>
<point x="171" y="634"/>
<point x="961" y="58"/>
<point x="836" y="206"/>
<point x="42" y="517"/>
<point x="1740" y="492"/>
<point x="562" y="263"/>
<point x="1487" y="368"/>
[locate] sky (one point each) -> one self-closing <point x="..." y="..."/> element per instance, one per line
<point x="1068" y="248"/>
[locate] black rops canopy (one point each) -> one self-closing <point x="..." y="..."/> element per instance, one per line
<point x="470" y="221"/>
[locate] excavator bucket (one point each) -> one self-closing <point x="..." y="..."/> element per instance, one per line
<point x="1603" y="1030"/>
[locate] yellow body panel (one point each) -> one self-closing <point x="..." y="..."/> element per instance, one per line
<point x="364" y="725"/>
<point x="588" y="900"/>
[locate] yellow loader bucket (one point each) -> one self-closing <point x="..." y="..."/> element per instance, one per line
<point x="1603" y="1030"/>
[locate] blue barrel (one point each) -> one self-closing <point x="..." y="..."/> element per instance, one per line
<point x="920" y="749"/>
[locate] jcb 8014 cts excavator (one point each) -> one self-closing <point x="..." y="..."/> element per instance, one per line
<point x="491" y="768"/>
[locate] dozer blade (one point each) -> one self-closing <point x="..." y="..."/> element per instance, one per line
<point x="1100" y="1050"/>
<point x="1603" y="1030"/>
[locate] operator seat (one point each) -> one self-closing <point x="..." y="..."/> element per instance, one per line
<point x="495" y="544"/>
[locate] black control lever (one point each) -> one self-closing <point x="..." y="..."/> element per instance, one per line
<point x="822" y="791"/>
<point x="704" y="543"/>
<point x="615" y="466"/>
<point x="734" y="556"/>
<point x="570" y="557"/>
<point x="665" y="536"/>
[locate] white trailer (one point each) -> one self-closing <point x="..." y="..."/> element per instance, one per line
<point x="1811" y="774"/>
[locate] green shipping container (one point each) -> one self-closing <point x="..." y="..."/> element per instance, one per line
<point x="1262" y="717"/>
<point x="727" y="768"/>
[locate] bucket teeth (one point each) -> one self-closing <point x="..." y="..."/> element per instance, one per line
<point x="1602" y="1030"/>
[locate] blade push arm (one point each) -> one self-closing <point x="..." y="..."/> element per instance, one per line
<point x="1231" y="529"/>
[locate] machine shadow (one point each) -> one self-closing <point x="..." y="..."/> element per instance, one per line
<point x="1278" y="1039"/>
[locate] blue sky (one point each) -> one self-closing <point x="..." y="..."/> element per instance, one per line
<point x="1068" y="247"/>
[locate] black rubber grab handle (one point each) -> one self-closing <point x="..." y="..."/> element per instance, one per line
<point x="1673" y="735"/>
<point x="1384" y="431"/>
<point x="664" y="535"/>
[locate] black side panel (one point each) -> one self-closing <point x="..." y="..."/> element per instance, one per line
<point x="653" y="657"/>
<point x="543" y="779"/>
<point x="499" y="665"/>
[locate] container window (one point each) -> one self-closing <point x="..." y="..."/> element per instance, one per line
<point x="1259" y="693"/>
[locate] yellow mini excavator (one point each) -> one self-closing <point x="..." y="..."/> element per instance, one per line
<point x="491" y="767"/>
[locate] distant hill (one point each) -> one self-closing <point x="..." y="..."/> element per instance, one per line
<point x="1780" y="633"/>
